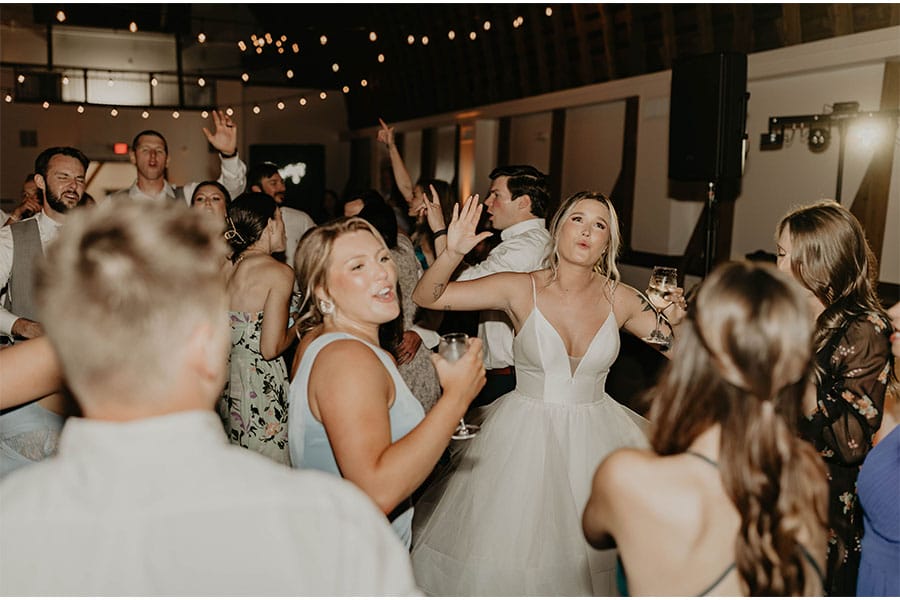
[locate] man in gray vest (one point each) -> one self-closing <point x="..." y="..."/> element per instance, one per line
<point x="150" y="154"/>
<point x="29" y="433"/>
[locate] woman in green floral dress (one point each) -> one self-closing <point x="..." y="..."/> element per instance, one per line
<point x="825" y="248"/>
<point x="254" y="405"/>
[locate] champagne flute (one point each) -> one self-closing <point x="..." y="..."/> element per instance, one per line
<point x="663" y="281"/>
<point x="452" y="348"/>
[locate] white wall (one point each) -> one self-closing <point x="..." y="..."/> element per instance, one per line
<point x="529" y="140"/>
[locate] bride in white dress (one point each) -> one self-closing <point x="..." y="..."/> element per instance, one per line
<point x="507" y="520"/>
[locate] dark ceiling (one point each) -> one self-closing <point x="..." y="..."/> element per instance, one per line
<point x="575" y="45"/>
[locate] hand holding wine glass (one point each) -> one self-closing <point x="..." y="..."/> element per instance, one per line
<point x="663" y="293"/>
<point x="460" y="368"/>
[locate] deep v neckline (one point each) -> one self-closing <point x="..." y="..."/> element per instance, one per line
<point x="562" y="341"/>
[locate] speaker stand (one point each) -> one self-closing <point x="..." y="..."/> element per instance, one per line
<point x="711" y="224"/>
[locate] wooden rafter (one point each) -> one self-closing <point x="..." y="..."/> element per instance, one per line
<point x="791" y="27"/>
<point x="609" y="41"/>
<point x="841" y="18"/>
<point x="705" y="28"/>
<point x="669" y="47"/>
<point x="585" y="64"/>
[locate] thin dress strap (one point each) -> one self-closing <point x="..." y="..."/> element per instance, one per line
<point x="705" y="459"/>
<point x="533" y="290"/>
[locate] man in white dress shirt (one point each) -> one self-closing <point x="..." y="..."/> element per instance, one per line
<point x="146" y="497"/>
<point x="517" y="203"/>
<point x="150" y="155"/>
<point x="265" y="177"/>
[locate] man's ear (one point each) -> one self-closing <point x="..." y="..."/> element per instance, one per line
<point x="40" y="182"/>
<point x="133" y="158"/>
<point x="524" y="202"/>
<point x="255" y="188"/>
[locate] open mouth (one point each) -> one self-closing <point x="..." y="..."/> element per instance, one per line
<point x="385" y="294"/>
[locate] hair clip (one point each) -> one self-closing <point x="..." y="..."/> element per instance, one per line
<point x="232" y="232"/>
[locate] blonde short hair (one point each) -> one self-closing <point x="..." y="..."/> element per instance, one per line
<point x="124" y="286"/>
<point x="607" y="263"/>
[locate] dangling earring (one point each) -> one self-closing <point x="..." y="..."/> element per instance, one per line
<point x="326" y="307"/>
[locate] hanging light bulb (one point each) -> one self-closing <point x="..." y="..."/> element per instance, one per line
<point x="281" y="51"/>
<point x="283" y="38"/>
<point x="20" y="79"/>
<point x="451" y="34"/>
<point x="364" y="83"/>
<point x="242" y="46"/>
<point x="335" y="67"/>
<point x="176" y="114"/>
<point x="278" y="43"/>
<point x="295" y="48"/>
<point x="201" y="82"/>
<point x="259" y="50"/>
<point x="65" y="80"/>
<point x="410" y="39"/>
<point x="346" y="89"/>
<point x="487" y="25"/>
<point x="114" y="112"/>
<point x="80" y="109"/>
<point x="280" y="105"/>
<point x="290" y="74"/>
<point x="323" y="39"/>
<point x="245" y="77"/>
<point x="473" y="35"/>
<point x="229" y="111"/>
<point x="154" y="81"/>
<point x="201" y="37"/>
<point x="256" y="109"/>
<point x="268" y="38"/>
<point x="372" y="36"/>
<point x="381" y="58"/>
<point x="204" y="114"/>
<point x="549" y="12"/>
<point x="302" y="101"/>
<point x="132" y="27"/>
<point x="424" y="40"/>
<point x="46" y="105"/>
<point x="8" y="98"/>
<point x="323" y="95"/>
<point x="60" y="16"/>
<point x="145" y="115"/>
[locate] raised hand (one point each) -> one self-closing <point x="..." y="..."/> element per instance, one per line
<point x="433" y="212"/>
<point x="386" y="134"/>
<point x="224" y="139"/>
<point x="461" y="236"/>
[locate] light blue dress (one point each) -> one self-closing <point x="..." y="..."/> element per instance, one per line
<point x="308" y="441"/>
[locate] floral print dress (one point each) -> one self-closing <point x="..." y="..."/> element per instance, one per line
<point x="254" y="405"/>
<point x="854" y="368"/>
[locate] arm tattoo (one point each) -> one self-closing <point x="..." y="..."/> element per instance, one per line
<point x="438" y="290"/>
<point x="645" y="303"/>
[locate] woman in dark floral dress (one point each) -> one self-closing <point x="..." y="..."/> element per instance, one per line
<point x="824" y="247"/>
<point x="254" y="405"/>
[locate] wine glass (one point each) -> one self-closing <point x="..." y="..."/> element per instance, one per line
<point x="663" y="281"/>
<point x="452" y="348"/>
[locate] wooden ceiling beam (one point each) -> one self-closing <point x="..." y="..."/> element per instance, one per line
<point x="535" y="27"/>
<point x="742" y="15"/>
<point x="705" y="28"/>
<point x="670" y="44"/>
<point x="791" y="25"/>
<point x="841" y="18"/>
<point x="609" y="41"/>
<point x="585" y="62"/>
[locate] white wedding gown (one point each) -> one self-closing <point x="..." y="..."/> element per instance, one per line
<point x="507" y="520"/>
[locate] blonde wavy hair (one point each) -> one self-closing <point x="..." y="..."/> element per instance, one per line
<point x="607" y="263"/>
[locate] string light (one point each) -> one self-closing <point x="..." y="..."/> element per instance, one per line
<point x="46" y="105"/>
<point x="346" y="89"/>
<point x="242" y="46"/>
<point x="20" y="79"/>
<point x="364" y="83"/>
<point x="65" y="80"/>
<point x="229" y="111"/>
<point x="372" y="36"/>
<point x="410" y="39"/>
<point x="204" y="115"/>
<point x="296" y="48"/>
<point x="60" y="16"/>
<point x="145" y="115"/>
<point x="201" y="82"/>
<point x="201" y="37"/>
<point x="245" y="77"/>
<point x="132" y="27"/>
<point x="424" y="40"/>
<point x="283" y="38"/>
<point x="517" y="22"/>
<point x="451" y="34"/>
<point x="259" y="50"/>
<point x="290" y="74"/>
<point x="323" y="95"/>
<point x="176" y="114"/>
<point x="549" y="12"/>
<point x="268" y="38"/>
<point x="323" y="39"/>
<point x="256" y="109"/>
<point x="302" y="101"/>
<point x="8" y="97"/>
<point x="335" y="67"/>
<point x="114" y="112"/>
<point x="280" y="105"/>
<point x="278" y="43"/>
<point x="80" y="109"/>
<point x="381" y="58"/>
<point x="281" y="51"/>
<point x="487" y="25"/>
<point x="154" y="81"/>
<point x="473" y="35"/>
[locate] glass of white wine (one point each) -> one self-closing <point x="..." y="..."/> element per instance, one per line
<point x="452" y="348"/>
<point x="663" y="281"/>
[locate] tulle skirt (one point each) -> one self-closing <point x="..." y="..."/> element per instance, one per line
<point x="506" y="521"/>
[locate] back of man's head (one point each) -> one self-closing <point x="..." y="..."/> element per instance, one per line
<point x="124" y="290"/>
<point x="526" y="180"/>
<point x="260" y="171"/>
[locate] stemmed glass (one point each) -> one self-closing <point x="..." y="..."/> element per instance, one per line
<point x="452" y="348"/>
<point x="663" y="281"/>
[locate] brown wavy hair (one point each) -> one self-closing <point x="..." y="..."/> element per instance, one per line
<point x="742" y="360"/>
<point x="831" y="258"/>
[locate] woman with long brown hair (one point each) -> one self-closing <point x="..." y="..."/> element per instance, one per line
<point x="729" y="501"/>
<point x="824" y="248"/>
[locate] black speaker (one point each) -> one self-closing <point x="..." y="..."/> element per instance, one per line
<point x="707" y="117"/>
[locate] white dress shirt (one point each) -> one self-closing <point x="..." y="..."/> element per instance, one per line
<point x="167" y="507"/>
<point x="296" y="222"/>
<point x="48" y="229"/>
<point x="233" y="177"/>
<point x="522" y="250"/>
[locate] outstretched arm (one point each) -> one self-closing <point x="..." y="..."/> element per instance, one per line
<point x="401" y="175"/>
<point x="224" y="139"/>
